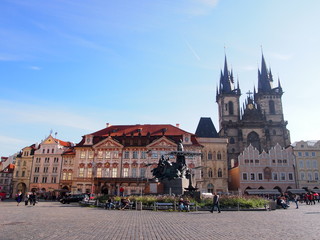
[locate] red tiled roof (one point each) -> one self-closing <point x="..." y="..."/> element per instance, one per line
<point x="63" y="143"/>
<point x="144" y="131"/>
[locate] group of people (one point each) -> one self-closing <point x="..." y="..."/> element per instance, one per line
<point x="121" y="205"/>
<point x="184" y="205"/>
<point x="309" y="198"/>
<point x="27" y="198"/>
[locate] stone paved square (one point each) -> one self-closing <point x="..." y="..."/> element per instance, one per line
<point x="53" y="220"/>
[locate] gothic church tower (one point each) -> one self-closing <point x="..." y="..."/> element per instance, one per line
<point x="259" y="122"/>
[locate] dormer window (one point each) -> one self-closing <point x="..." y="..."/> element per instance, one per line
<point x="88" y="139"/>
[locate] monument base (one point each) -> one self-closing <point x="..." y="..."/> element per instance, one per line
<point x="175" y="186"/>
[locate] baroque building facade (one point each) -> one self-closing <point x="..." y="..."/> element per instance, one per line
<point x="308" y="164"/>
<point x="46" y="165"/>
<point x="122" y="156"/>
<point x="22" y="171"/>
<point x="214" y="169"/>
<point x="259" y="122"/>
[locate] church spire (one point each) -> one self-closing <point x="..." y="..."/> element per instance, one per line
<point x="226" y="79"/>
<point x="264" y="77"/>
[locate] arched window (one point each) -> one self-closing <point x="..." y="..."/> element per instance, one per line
<point x="219" y="155"/>
<point x="254" y="140"/>
<point x="230" y="106"/>
<point x="271" y="107"/>
<point x="219" y="172"/>
<point x="210" y="173"/>
<point x="231" y="140"/>
<point x="209" y="155"/>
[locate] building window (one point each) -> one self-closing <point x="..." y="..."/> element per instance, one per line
<point x="290" y="176"/>
<point x="114" y="172"/>
<point x="45" y="169"/>
<point x="99" y="172"/>
<point x="115" y="154"/>
<point x="23" y="173"/>
<point x="142" y="172"/>
<point x="100" y="154"/>
<point x="107" y="172"/>
<point x="89" y="172"/>
<point x="282" y="176"/>
<point x="309" y="176"/>
<point x="306" y="154"/>
<point x="275" y="176"/>
<point x="108" y="154"/>
<point x="64" y="176"/>
<point x="244" y="176"/>
<point x="219" y="172"/>
<point x="210" y="188"/>
<point x="301" y="164"/>
<point x="44" y="179"/>
<point x="315" y="164"/>
<point x="135" y="154"/>
<point x="69" y="176"/>
<point x="302" y="176"/>
<point x="154" y="154"/>
<point x="252" y="177"/>
<point x="260" y="176"/>
<point x="210" y="155"/>
<point x="308" y="164"/>
<point x="230" y="106"/>
<point x="313" y="154"/>
<point x="300" y="154"/>
<point x="48" y="150"/>
<point x="210" y="173"/>
<point x="256" y="161"/>
<point x="219" y="155"/>
<point x="35" y="179"/>
<point x="125" y="172"/>
<point x="134" y="172"/>
<point x="36" y="169"/>
<point x="53" y="179"/>
<point x="81" y="172"/>
<point x="54" y="169"/>
<point x="271" y="107"/>
<point x="126" y="154"/>
<point x="316" y="176"/>
<point x="143" y="155"/>
<point x="52" y="150"/>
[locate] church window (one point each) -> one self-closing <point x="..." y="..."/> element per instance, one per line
<point x="254" y="140"/>
<point x="219" y="172"/>
<point x="230" y="105"/>
<point x="210" y="173"/>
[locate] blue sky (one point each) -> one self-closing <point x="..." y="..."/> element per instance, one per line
<point x="72" y="66"/>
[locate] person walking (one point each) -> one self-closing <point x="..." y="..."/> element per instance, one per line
<point x="216" y="199"/>
<point x="19" y="198"/>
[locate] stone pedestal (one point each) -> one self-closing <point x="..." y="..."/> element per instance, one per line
<point x="175" y="186"/>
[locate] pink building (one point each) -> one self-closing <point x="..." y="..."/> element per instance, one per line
<point x="267" y="170"/>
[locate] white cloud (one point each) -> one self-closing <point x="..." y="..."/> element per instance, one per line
<point x="201" y="7"/>
<point x="36" y="68"/>
<point x="10" y="140"/>
<point x="17" y="112"/>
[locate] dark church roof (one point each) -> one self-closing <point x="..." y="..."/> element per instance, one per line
<point x="206" y="128"/>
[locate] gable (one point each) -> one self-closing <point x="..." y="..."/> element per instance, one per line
<point x="162" y="142"/>
<point x="108" y="143"/>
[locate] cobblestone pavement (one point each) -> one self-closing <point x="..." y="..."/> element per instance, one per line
<point x="53" y="220"/>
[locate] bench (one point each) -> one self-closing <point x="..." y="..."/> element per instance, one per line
<point x="166" y="206"/>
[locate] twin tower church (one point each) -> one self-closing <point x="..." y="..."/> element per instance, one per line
<point x="259" y="121"/>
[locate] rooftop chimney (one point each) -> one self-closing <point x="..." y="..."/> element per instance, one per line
<point x="177" y="125"/>
<point x="108" y="125"/>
